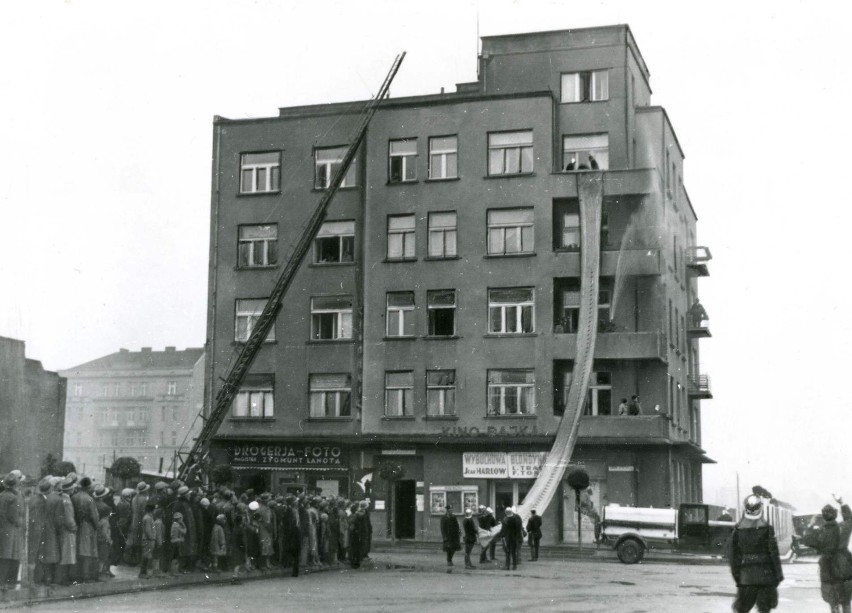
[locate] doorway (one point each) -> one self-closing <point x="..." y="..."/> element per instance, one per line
<point x="405" y="509"/>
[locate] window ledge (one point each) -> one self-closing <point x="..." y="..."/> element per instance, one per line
<point x="398" y="418"/>
<point x="579" y="170"/>
<point x="434" y="258"/>
<point x="566" y="250"/>
<point x="488" y="256"/>
<point x="409" y="182"/>
<point x="510" y="176"/>
<point x="270" y="193"/>
<point x="511" y="416"/>
<point x="330" y="264"/>
<point x="241" y="343"/>
<point x="327" y="419"/>
<point x="435" y="337"/>
<point x="252" y="419"/>
<point x="399" y="260"/>
<point x="331" y="341"/>
<point x="441" y="418"/>
<point x="511" y="335"/>
<point x="442" y="179"/>
<point x="341" y="188"/>
<point x="269" y="267"/>
<point x="399" y="338"/>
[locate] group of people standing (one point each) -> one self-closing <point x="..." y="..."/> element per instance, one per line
<point x="512" y="534"/>
<point x="79" y="530"/>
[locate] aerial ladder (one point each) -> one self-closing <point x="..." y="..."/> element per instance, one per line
<point x="192" y="460"/>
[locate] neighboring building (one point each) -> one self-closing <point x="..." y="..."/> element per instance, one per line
<point x="434" y="325"/>
<point x="32" y="411"/>
<point x="143" y="404"/>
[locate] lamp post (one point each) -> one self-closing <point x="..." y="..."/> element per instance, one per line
<point x="578" y="480"/>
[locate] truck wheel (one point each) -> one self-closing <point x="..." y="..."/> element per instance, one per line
<point x="630" y="551"/>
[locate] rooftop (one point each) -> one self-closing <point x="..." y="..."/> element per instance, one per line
<point x="146" y="358"/>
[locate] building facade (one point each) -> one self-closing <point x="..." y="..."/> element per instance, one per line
<point x="32" y="408"/>
<point x="434" y="325"/>
<point x="142" y="404"/>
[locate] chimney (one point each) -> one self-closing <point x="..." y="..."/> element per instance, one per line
<point x="170" y="348"/>
<point x="123" y="350"/>
<point x="146" y="350"/>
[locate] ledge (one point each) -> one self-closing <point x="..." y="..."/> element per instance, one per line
<point x="250" y="194"/>
<point x="452" y="337"/>
<point x="399" y="338"/>
<point x="489" y="256"/>
<point x="398" y="418"/>
<point x="330" y="264"/>
<point x="516" y="175"/>
<point x="441" y="418"/>
<point x="514" y="416"/>
<point x="403" y="183"/>
<point x="331" y="341"/>
<point x="399" y="260"/>
<point x="328" y="419"/>
<point x="442" y="180"/>
<point x="432" y="258"/>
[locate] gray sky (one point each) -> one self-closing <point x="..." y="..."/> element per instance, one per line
<point x="106" y="128"/>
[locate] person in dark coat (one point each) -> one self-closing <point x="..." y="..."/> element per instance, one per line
<point x="292" y="537"/>
<point x="470" y="536"/>
<point x="53" y="526"/>
<point x="512" y="533"/>
<point x="38" y="534"/>
<point x="102" y="496"/>
<point x="356" y="526"/>
<point x="486" y="522"/>
<point x="450" y="534"/>
<point x="534" y="533"/>
<point x="237" y="545"/>
<point x="754" y="560"/>
<point x="835" y="563"/>
<point x="87" y="518"/>
<point x="11" y="524"/>
<point x="367" y="530"/>
<point x="121" y="526"/>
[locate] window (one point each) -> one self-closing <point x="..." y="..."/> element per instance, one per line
<point x="569" y="314"/>
<point x="569" y="229"/>
<point x="248" y="312"/>
<point x="172" y="388"/>
<point x="143" y="389"/>
<point x="258" y="246"/>
<point x="441" y="305"/>
<point x="443" y="157"/>
<point x="174" y="438"/>
<point x="104" y="390"/>
<point x="604" y="307"/>
<point x="134" y="389"/>
<point x="589" y="152"/>
<point x="402" y="161"/>
<point x="335" y="242"/>
<point x="103" y="417"/>
<point x="399" y="394"/>
<point x="510" y="231"/>
<point x="401" y="237"/>
<point x="442" y="235"/>
<point x="331" y="318"/>
<point x="511" y="392"/>
<point x="327" y="162"/>
<point x="78" y="389"/>
<point x="130" y="417"/>
<point x="330" y="395"/>
<point x="400" y="314"/>
<point x="510" y="153"/>
<point x="510" y="311"/>
<point x="588" y="86"/>
<point x="599" y="396"/>
<point x="260" y="172"/>
<point x="440" y="392"/>
<point x="253" y="400"/>
<point x="144" y="415"/>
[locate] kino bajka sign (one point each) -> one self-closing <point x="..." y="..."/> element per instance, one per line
<point x="288" y="456"/>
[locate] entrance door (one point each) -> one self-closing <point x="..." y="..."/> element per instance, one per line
<point x="405" y="508"/>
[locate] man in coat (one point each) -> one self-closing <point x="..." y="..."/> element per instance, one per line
<point x="87" y="518"/>
<point x="38" y="533"/>
<point x="11" y="524"/>
<point x="835" y="563"/>
<point x="188" y="548"/>
<point x="512" y="533"/>
<point x="133" y="546"/>
<point x="470" y="537"/>
<point x="265" y="530"/>
<point x="755" y="563"/>
<point x="67" y="530"/>
<point x="534" y="532"/>
<point x="450" y="534"/>
<point x="53" y="527"/>
<point x="123" y="520"/>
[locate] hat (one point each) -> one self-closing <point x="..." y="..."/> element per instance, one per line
<point x="142" y="487"/>
<point x="100" y="491"/>
<point x="468" y="512"/>
<point x="18" y="474"/>
<point x="829" y="513"/>
<point x="45" y="484"/>
<point x="160" y="485"/>
<point x="448" y="507"/>
<point x="253" y="506"/>
<point x="753" y="507"/>
<point x="489" y="510"/>
<point x="55" y="480"/>
<point x="127" y="492"/>
<point x="204" y="502"/>
<point x="509" y="511"/>
<point x="10" y="480"/>
<point x="178" y="515"/>
<point x="220" y="518"/>
<point x="266" y="496"/>
<point x="182" y="490"/>
<point x="68" y="483"/>
<point x="85" y="482"/>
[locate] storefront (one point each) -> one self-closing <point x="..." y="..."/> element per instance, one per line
<point x="291" y="467"/>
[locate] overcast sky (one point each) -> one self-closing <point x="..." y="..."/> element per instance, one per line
<point x="106" y="128"/>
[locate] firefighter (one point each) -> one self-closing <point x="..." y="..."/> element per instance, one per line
<point x="754" y="559"/>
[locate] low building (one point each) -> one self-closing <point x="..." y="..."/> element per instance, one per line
<point x="32" y="410"/>
<point x="143" y="404"/>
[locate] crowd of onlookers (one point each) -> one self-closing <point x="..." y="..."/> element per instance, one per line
<point x="77" y="530"/>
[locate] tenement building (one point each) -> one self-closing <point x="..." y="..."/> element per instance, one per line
<point x="434" y="325"/>
<point x="141" y="404"/>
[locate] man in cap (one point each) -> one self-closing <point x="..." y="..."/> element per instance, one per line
<point x="450" y="534"/>
<point x="102" y="496"/>
<point x="38" y="534"/>
<point x="11" y="523"/>
<point x="470" y="536"/>
<point x="86" y="516"/>
<point x="512" y="533"/>
<point x="754" y="560"/>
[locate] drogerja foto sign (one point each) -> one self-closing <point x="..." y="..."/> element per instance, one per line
<point x="288" y="456"/>
<point x="500" y="465"/>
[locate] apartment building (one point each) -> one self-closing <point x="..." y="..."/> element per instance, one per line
<point x="434" y="325"/>
<point x="142" y="404"/>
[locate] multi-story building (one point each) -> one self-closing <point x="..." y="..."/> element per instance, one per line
<point x="32" y="407"/>
<point x="142" y="404"/>
<point x="434" y="325"/>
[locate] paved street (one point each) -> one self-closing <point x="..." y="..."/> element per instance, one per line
<point x="418" y="582"/>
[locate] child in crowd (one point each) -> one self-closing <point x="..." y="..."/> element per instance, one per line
<point x="177" y="537"/>
<point x="218" y="545"/>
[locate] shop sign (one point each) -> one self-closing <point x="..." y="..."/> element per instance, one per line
<point x="526" y="465"/>
<point x="303" y="455"/>
<point x="501" y="465"/>
<point x="621" y="469"/>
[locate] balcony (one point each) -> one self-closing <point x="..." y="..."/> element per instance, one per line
<point x="698" y="386"/>
<point x="696" y="260"/>
<point x="615" y="346"/>
<point x="623" y="429"/>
